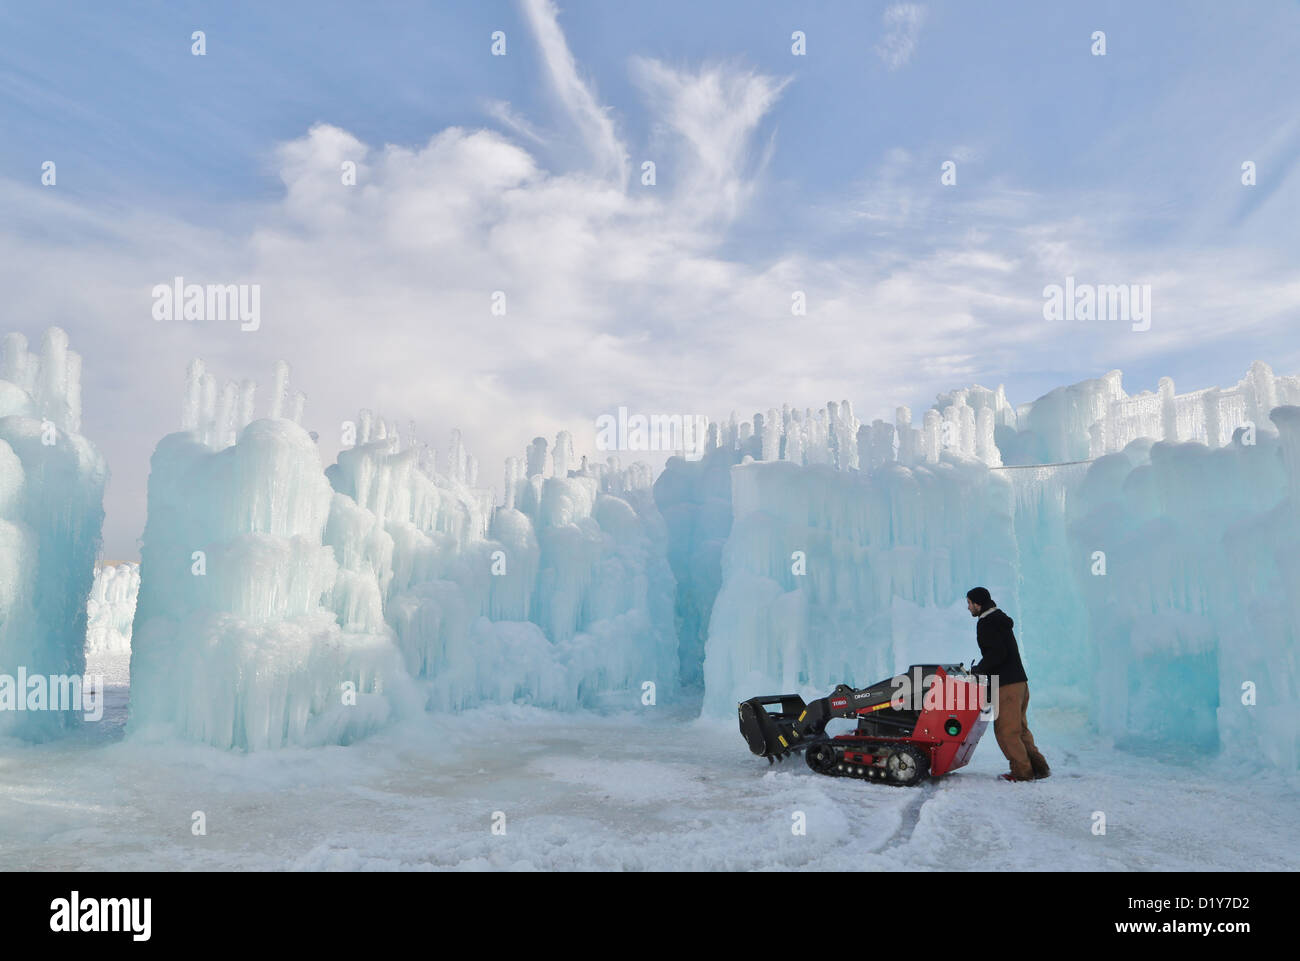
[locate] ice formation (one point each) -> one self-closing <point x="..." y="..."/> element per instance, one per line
<point x="1141" y="543"/>
<point x="235" y="640"/>
<point x="828" y="575"/>
<point x="1199" y="606"/>
<point x="1145" y="545"/>
<point x="51" y="517"/>
<point x="1096" y="417"/>
<point x="1070" y="424"/>
<point x="694" y="498"/>
<point x="270" y="585"/>
<point x="110" y="609"/>
<point x="560" y="594"/>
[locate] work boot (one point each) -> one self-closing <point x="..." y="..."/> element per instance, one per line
<point x="1012" y="777"/>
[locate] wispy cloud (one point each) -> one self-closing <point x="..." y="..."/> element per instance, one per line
<point x="575" y="94"/>
<point x="502" y="113"/>
<point x="902" y="26"/>
<point x="714" y="113"/>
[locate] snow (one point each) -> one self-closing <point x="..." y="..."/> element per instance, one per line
<point x="618" y="788"/>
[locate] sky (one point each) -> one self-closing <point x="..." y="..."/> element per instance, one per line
<point x="775" y="173"/>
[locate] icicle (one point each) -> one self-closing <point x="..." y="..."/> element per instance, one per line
<point x="192" y="407"/>
<point x="279" y="390"/>
<point x="247" y="396"/>
<point x="223" y="434"/>
<point x="208" y="410"/>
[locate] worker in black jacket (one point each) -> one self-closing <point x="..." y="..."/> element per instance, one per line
<point x="1000" y="658"/>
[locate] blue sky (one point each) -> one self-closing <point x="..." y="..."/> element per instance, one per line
<point x="775" y="173"/>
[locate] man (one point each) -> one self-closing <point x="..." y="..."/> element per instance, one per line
<point x="1000" y="657"/>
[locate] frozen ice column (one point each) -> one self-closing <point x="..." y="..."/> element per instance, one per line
<point x="235" y="640"/>
<point x="51" y="518"/>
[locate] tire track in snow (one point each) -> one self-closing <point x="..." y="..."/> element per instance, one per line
<point x="868" y="803"/>
<point x="911" y="816"/>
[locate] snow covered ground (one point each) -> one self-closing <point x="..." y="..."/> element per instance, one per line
<point x="623" y="788"/>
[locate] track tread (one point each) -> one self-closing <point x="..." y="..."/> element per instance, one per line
<point x="875" y="772"/>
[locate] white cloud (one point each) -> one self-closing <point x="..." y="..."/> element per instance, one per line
<point x="713" y="113"/>
<point x="902" y="26"/>
<point x="617" y="294"/>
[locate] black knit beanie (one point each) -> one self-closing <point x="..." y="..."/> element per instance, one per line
<point x="981" y="597"/>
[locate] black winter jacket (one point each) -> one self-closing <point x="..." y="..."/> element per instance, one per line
<point x="999" y="653"/>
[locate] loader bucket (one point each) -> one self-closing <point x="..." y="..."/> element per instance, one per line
<point x="765" y="722"/>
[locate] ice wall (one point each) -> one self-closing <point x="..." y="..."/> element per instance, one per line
<point x="51" y="516"/>
<point x="270" y="586"/>
<point x="1094" y="417"/>
<point x="110" y="609"/>
<point x="1193" y="624"/>
<point x="1154" y="588"/>
<point x="843" y="576"/>
<point x="694" y="498"/>
<point x="235" y="641"/>
<point x="558" y="597"/>
<point x="1048" y="606"/>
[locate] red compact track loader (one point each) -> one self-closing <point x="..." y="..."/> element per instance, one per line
<point x="916" y="725"/>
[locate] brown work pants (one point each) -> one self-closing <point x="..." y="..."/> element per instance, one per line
<point x="1011" y="727"/>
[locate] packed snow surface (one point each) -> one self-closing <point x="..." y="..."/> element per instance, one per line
<point x="618" y="788"/>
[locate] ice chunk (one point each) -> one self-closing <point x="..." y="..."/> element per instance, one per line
<point x="110" y="610"/>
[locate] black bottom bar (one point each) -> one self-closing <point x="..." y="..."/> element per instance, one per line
<point x="333" y="911"/>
